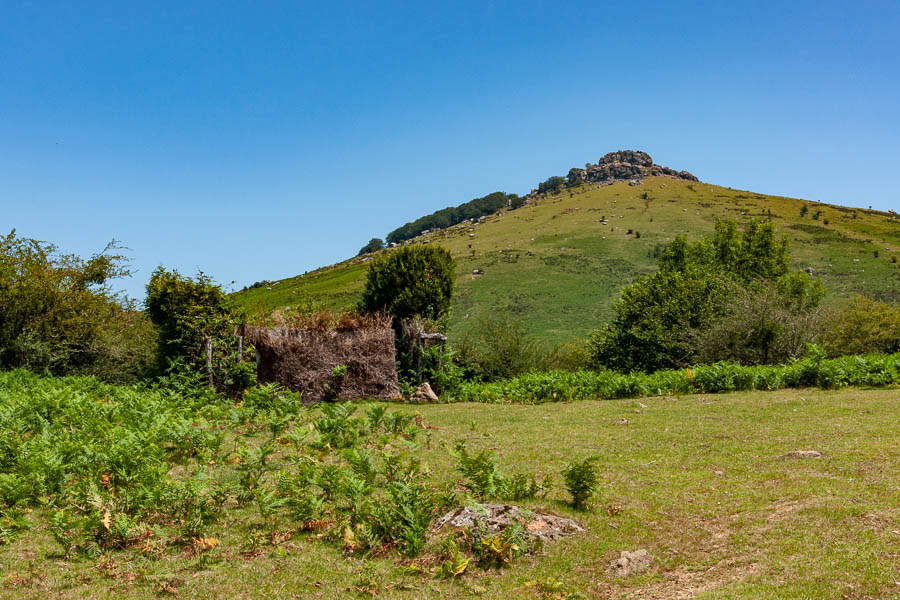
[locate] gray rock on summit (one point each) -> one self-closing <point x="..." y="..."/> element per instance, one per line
<point x="629" y="165"/>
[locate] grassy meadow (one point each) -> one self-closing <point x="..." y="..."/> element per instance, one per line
<point x="697" y="480"/>
<point x="555" y="266"/>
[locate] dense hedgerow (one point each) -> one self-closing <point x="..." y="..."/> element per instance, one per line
<point x="811" y="371"/>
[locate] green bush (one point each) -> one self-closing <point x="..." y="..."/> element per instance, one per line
<point x="581" y="481"/>
<point x="763" y="323"/>
<point x="551" y="184"/>
<point x="189" y="313"/>
<point x="498" y="347"/>
<point x="186" y="312"/>
<point x="374" y="245"/>
<point x="410" y="281"/>
<point x="862" y="326"/>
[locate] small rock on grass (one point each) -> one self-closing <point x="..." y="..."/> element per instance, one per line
<point x="497" y="517"/>
<point x="424" y="394"/>
<point x="802" y="454"/>
<point x="631" y="562"/>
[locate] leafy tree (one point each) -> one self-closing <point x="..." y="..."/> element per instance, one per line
<point x="552" y="184"/>
<point x="186" y="311"/>
<point x="754" y="253"/>
<point x="374" y="245"/>
<point x="58" y="312"/>
<point x="651" y="316"/>
<point x="658" y="317"/>
<point x="410" y="281"/>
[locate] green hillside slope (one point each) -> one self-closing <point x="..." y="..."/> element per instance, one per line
<point x="558" y="262"/>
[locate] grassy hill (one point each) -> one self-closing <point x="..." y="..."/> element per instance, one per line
<point x="556" y="265"/>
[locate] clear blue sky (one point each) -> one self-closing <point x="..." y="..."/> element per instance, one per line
<point x="260" y="140"/>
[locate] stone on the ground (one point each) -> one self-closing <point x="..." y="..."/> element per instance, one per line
<point x="497" y="517"/>
<point x="424" y="393"/>
<point x="802" y="454"/>
<point x="631" y="562"/>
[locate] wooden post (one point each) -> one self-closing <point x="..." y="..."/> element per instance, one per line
<point x="209" y="365"/>
<point x="419" y="344"/>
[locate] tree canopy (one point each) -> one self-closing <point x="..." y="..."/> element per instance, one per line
<point x="447" y="217"/>
<point x="551" y="184"/>
<point x="374" y="245"/>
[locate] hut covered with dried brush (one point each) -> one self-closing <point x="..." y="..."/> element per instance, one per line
<point x="303" y="354"/>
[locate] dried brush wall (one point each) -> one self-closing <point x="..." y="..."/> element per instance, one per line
<point x="303" y="355"/>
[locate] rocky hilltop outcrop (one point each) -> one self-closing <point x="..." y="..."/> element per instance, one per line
<point x="631" y="165"/>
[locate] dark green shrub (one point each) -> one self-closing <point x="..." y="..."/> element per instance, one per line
<point x="410" y="281"/>
<point x="764" y="323"/>
<point x="186" y="312"/>
<point x="551" y="185"/>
